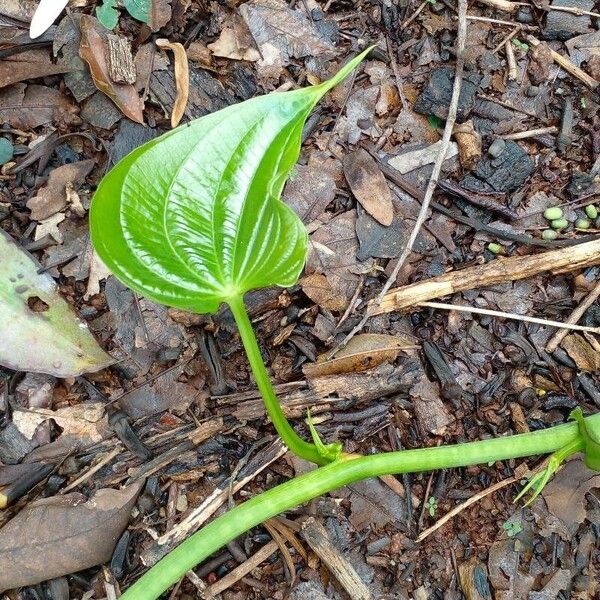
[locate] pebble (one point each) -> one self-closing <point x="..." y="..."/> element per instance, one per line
<point x="533" y="91"/>
<point x="497" y="147"/>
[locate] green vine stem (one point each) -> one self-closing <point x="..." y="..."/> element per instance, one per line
<point x="321" y="454"/>
<point x="342" y="472"/>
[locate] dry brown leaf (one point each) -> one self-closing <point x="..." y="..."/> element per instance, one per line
<point x="29" y="106"/>
<point x="363" y="352"/>
<point x="182" y="78"/>
<point x="94" y="51"/>
<point x="565" y="494"/>
<point x="318" y="288"/>
<point x="53" y="198"/>
<point x="584" y="355"/>
<point x="160" y="14"/>
<point x="63" y="534"/>
<point x="236" y="42"/>
<point x="87" y="423"/>
<point x="369" y="185"/>
<point x="20" y="68"/>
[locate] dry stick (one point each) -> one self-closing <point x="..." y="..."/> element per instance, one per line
<point x="504" y="5"/>
<point x="413" y="16"/>
<point x="567" y="65"/>
<point x="507" y="39"/>
<point x="437" y="167"/>
<point x="512" y="316"/>
<point x="397" y="76"/>
<point x="511" y="61"/>
<point x="118" y="450"/>
<point x="242" y="570"/>
<point x="497" y="271"/>
<point x="457" y="509"/>
<point x="499" y="22"/>
<point x="557" y="338"/>
<point x="521" y="135"/>
<point x="316" y="537"/>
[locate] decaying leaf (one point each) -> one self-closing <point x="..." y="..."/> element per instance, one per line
<point x="29" y="106"/>
<point x="54" y="341"/>
<point x="24" y="68"/>
<point x="581" y="351"/>
<point x="369" y="185"/>
<point x="53" y="198"/>
<point x="282" y="33"/>
<point x="235" y="42"/>
<point x="363" y="352"/>
<point x="430" y="411"/>
<point x="182" y="78"/>
<point x="319" y="289"/>
<point x="414" y="159"/>
<point x="565" y="494"/>
<point x="63" y="534"/>
<point x="86" y="423"/>
<point x="94" y="51"/>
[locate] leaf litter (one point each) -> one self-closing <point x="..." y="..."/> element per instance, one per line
<point x="374" y="396"/>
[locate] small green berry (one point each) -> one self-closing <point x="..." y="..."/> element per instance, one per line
<point x="582" y="224"/>
<point x="553" y="213"/>
<point x="549" y="235"/>
<point x="559" y="223"/>
<point x="591" y="211"/>
<point x="494" y="248"/>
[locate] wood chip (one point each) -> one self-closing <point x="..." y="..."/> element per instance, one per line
<point x="121" y="67"/>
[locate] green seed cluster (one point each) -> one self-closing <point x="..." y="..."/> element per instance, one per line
<point x="555" y="215"/>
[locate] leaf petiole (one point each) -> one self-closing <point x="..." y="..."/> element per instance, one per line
<point x="320" y="454"/>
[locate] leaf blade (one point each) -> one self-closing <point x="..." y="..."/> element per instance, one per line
<point x="208" y="224"/>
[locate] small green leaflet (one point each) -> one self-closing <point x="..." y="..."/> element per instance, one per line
<point x="194" y="218"/>
<point x="54" y="341"/>
<point x="109" y="16"/>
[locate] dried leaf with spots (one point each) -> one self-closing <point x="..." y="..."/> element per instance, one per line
<point x="54" y="341"/>
<point x="94" y="51"/>
<point x="63" y="534"/>
<point x="182" y="78"/>
<point x="53" y="198"/>
<point x="369" y="185"/>
<point x="363" y="352"/>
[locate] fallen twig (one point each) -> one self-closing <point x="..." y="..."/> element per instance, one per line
<point x="499" y="270"/>
<point x="557" y="338"/>
<point x="316" y="537"/>
<point x="567" y="65"/>
<point x="511" y="316"/>
<point x="437" y="167"/>
<point x="522" y="135"/>
<point x="458" y="509"/>
<point x="241" y="571"/>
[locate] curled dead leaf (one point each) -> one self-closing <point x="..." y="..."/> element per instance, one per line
<point x="363" y="352"/>
<point x="182" y="78"/>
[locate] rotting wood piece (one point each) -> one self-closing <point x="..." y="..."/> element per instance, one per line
<point x="121" y="67"/>
<point x="497" y="271"/>
<point x="316" y="537"/>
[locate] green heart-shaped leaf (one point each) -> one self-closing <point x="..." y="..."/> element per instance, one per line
<point x="194" y="217"/>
